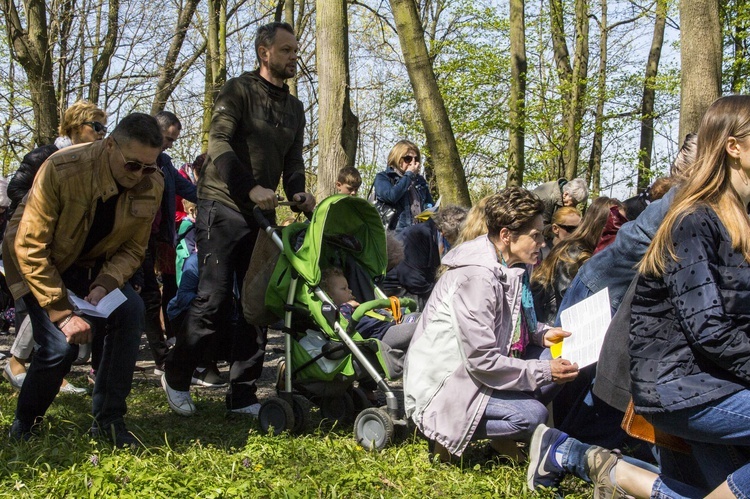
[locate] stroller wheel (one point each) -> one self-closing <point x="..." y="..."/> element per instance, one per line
<point x="300" y="408"/>
<point x="339" y="410"/>
<point x="276" y="413"/>
<point x="373" y="429"/>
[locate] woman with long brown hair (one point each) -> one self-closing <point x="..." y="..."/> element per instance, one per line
<point x="551" y="279"/>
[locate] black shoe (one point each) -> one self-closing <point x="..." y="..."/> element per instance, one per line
<point x="20" y="431"/>
<point x="116" y="433"/>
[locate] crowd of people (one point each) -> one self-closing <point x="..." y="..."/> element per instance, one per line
<point x="95" y="213"/>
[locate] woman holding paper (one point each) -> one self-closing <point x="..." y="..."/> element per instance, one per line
<point x="474" y="368"/>
<point x="690" y="326"/>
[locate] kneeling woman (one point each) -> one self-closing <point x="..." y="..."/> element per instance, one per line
<point x="473" y="369"/>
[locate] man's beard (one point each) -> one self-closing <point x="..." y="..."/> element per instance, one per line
<point x="282" y="72"/>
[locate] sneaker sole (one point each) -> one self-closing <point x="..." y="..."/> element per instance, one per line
<point x="175" y="408"/>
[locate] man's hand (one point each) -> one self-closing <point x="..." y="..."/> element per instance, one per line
<point x="308" y="201"/>
<point x="563" y="371"/>
<point x="264" y="198"/>
<point x="555" y="335"/>
<point x="95" y="295"/>
<point x="77" y="331"/>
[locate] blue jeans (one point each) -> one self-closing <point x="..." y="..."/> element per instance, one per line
<point x="719" y="429"/>
<point x="55" y="355"/>
<point x="515" y="415"/>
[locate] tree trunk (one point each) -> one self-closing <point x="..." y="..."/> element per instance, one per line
<point x="30" y="47"/>
<point x="60" y="31"/>
<point x="337" y="124"/>
<point x="593" y="175"/>
<point x="167" y="79"/>
<point x="649" y="97"/>
<point x="440" y="139"/>
<point x="517" y="94"/>
<point x="110" y="44"/>
<point x="216" y="61"/>
<point x="574" y="115"/>
<point x="700" y="58"/>
<point x="289" y="18"/>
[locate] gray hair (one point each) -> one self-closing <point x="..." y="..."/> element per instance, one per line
<point x="577" y="189"/>
<point x="449" y="220"/>
<point x="685" y="159"/>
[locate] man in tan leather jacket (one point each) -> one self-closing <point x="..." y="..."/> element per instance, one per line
<point x="84" y="227"/>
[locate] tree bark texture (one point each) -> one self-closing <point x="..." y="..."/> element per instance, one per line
<point x="593" y="175"/>
<point x="108" y="50"/>
<point x="649" y="97"/>
<point x="574" y="114"/>
<point x="700" y="57"/>
<point x="30" y="47"/>
<point x="440" y="139"/>
<point x="518" y="67"/>
<point x="216" y="61"/>
<point x="337" y="124"/>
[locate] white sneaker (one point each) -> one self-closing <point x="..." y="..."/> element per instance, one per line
<point x="15" y="381"/>
<point x="179" y="402"/>
<point x="250" y="410"/>
<point x="71" y="388"/>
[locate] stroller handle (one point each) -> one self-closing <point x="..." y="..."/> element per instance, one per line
<point x="264" y="223"/>
<point x="380" y="303"/>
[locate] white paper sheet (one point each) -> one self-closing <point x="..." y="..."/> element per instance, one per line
<point x="104" y="308"/>
<point x="588" y="321"/>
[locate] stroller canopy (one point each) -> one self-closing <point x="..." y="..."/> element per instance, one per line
<point x="350" y="222"/>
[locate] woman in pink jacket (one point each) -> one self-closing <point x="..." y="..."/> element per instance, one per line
<point x="474" y="368"/>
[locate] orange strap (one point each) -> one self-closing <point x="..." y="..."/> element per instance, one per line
<point x="396" y="309"/>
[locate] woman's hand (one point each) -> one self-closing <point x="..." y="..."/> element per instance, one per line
<point x="554" y="335"/>
<point x="563" y="371"/>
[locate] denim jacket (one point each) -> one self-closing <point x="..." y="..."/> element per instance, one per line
<point x="392" y="188"/>
<point x="614" y="267"/>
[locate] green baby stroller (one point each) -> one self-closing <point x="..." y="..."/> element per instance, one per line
<point x="323" y="353"/>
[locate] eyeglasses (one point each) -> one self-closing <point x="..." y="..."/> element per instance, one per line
<point x="98" y="127"/>
<point x="409" y="158"/>
<point x="567" y="228"/>
<point x="135" y="166"/>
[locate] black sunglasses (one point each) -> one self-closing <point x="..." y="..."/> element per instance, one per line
<point x="567" y="228"/>
<point x="98" y="127"/>
<point x="409" y="158"/>
<point x="134" y="166"/>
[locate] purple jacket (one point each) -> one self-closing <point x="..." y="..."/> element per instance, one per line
<point x="459" y="352"/>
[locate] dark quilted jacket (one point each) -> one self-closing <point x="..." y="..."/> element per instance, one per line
<point x="21" y="182"/>
<point x="690" y="330"/>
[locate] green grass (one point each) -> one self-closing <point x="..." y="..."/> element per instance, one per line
<point x="212" y="456"/>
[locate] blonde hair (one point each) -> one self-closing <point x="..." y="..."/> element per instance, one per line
<point x="708" y="185"/>
<point x="399" y="151"/>
<point x="559" y="216"/>
<point x="475" y="224"/>
<point x="78" y="114"/>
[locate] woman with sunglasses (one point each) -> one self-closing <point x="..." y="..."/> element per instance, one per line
<point x="82" y="122"/>
<point x="402" y="186"/>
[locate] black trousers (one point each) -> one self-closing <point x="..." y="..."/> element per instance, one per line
<point x="225" y="241"/>
<point x="152" y="299"/>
